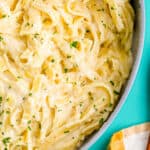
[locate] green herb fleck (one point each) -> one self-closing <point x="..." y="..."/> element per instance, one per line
<point x="112" y="83"/>
<point x="105" y="110"/>
<point x="2" y="112"/>
<point x="18" y="77"/>
<point x="53" y="60"/>
<point x="102" y="9"/>
<point x="30" y="94"/>
<point x="9" y="87"/>
<point x="67" y="131"/>
<point x="90" y="96"/>
<point x="116" y="92"/>
<point x="39" y="125"/>
<point x="54" y="32"/>
<point x="29" y="121"/>
<point x="3" y="16"/>
<point x="95" y="78"/>
<point x="36" y="35"/>
<point x="24" y="98"/>
<point x="7" y="99"/>
<point x="6" y="140"/>
<point x="1" y="99"/>
<point x="29" y="128"/>
<point x="68" y="56"/>
<point x="81" y="104"/>
<point x="27" y="24"/>
<point x="95" y="107"/>
<point x="67" y="79"/>
<point x="74" y="44"/>
<point x="101" y="121"/>
<point x="1" y="38"/>
<point x="65" y="70"/>
<point x="59" y="110"/>
<point x="7" y="112"/>
<point x="112" y="8"/>
<point x="33" y="116"/>
<point x="110" y="105"/>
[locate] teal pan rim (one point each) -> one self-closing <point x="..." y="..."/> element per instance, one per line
<point x="137" y="47"/>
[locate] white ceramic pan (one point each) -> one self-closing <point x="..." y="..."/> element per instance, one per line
<point x="137" y="48"/>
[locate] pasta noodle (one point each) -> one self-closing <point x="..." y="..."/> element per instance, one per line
<point x="62" y="66"/>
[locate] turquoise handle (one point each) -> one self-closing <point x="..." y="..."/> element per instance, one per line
<point x="137" y="107"/>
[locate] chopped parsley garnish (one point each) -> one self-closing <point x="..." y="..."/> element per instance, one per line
<point x="81" y="104"/>
<point x="30" y="94"/>
<point x="83" y="83"/>
<point x="110" y="105"/>
<point x="3" y="16"/>
<point x="95" y="107"/>
<point x="18" y="77"/>
<point x="29" y="121"/>
<point x="101" y="121"/>
<point x="29" y="128"/>
<point x="27" y="24"/>
<point x="68" y="56"/>
<point x="103" y="99"/>
<point x="112" y="83"/>
<point x="2" y="112"/>
<point x="74" y="83"/>
<point x="67" y="79"/>
<point x="53" y="60"/>
<point x="103" y="23"/>
<point x="36" y="35"/>
<point x="39" y="125"/>
<point x="59" y="110"/>
<point x="74" y="44"/>
<point x="7" y="99"/>
<point x="9" y="87"/>
<point x="54" y="32"/>
<point x="1" y="38"/>
<point x="102" y="9"/>
<point x="24" y="98"/>
<point x="1" y="99"/>
<point x="7" y="112"/>
<point x="33" y="116"/>
<point x="67" y="131"/>
<point x="105" y="110"/>
<point x="112" y="8"/>
<point x="90" y="95"/>
<point x="65" y="70"/>
<point x="6" y="140"/>
<point x="1" y="123"/>
<point x="116" y="92"/>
